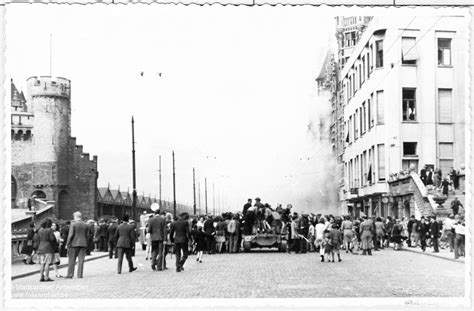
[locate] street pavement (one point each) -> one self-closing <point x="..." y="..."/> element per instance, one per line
<point x="259" y="274"/>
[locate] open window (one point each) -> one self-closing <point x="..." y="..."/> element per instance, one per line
<point x="409" y="51"/>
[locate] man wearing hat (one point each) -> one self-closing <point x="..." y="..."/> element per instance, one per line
<point x="157" y="230"/>
<point x="125" y="237"/>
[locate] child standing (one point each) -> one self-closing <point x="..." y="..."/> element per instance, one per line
<point x="335" y="236"/>
<point x="327" y="245"/>
<point x="200" y="240"/>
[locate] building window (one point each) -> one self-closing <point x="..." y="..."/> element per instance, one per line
<point x="379" y="54"/>
<point x="380" y="108"/>
<point x="409" y="104"/>
<point x="349" y="127"/>
<point x="410" y="164"/>
<point x="409" y="149"/>
<point x="409" y="52"/>
<point x="356" y="130"/>
<point x="370" y="109"/>
<point x="444" y="52"/>
<point x="370" y="60"/>
<point x="363" y="126"/>
<point x="446" y="157"/>
<point x="363" y="69"/>
<point x="445" y="109"/>
<point x="381" y="161"/>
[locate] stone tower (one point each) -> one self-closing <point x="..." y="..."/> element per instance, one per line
<point x="48" y="163"/>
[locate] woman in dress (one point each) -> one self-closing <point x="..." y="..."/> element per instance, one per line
<point x="56" y="258"/>
<point x="220" y="234"/>
<point x="46" y="247"/>
<point x="27" y="248"/>
<point x="366" y="235"/>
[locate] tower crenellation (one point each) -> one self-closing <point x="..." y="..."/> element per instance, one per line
<point x="49" y="86"/>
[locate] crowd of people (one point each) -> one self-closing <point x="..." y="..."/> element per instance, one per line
<point x="165" y="236"/>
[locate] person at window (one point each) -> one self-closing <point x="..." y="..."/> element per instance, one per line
<point x="411" y="114"/>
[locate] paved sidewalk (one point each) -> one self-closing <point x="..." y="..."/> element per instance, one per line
<point x="19" y="269"/>
<point x="443" y="253"/>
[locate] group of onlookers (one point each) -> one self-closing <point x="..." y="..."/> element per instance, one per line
<point x="433" y="178"/>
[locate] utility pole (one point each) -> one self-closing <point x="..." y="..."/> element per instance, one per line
<point x="205" y="194"/>
<point x="199" y="196"/>
<point x="213" y="200"/>
<point x="194" y="191"/>
<point x="174" y="189"/>
<point x="134" y="192"/>
<point x="159" y="180"/>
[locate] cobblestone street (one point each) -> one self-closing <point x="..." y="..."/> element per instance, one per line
<point x="260" y="274"/>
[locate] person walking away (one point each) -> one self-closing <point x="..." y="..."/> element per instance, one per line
<point x="27" y="248"/>
<point x="327" y="248"/>
<point x="319" y="232"/>
<point x="125" y="237"/>
<point x="179" y="235"/>
<point x="379" y="233"/>
<point x="90" y="238"/>
<point x="397" y="235"/>
<point x="348" y="233"/>
<point x="56" y="258"/>
<point x="112" y="246"/>
<point x="434" y="234"/>
<point x="103" y="236"/>
<point x="220" y="234"/>
<point x="336" y="242"/>
<point x="459" y="241"/>
<point x="295" y="238"/>
<point x="366" y="236"/>
<point x="415" y="234"/>
<point x="233" y="235"/>
<point x="410" y="229"/>
<point x="157" y="230"/>
<point x="209" y="230"/>
<point x="200" y="240"/>
<point x="423" y="230"/>
<point x="47" y="245"/>
<point x="455" y="204"/>
<point x="77" y="243"/>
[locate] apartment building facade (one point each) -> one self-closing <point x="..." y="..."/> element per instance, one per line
<point x="403" y="91"/>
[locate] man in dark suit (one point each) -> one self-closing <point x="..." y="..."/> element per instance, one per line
<point x="179" y="235"/>
<point x="434" y="233"/>
<point x="157" y="230"/>
<point x="125" y="237"/>
<point x="77" y="242"/>
<point x="111" y="239"/>
<point x="103" y="236"/>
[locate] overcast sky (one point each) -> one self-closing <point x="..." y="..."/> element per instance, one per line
<point x="236" y="93"/>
